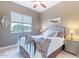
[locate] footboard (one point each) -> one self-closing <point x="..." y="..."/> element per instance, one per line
<point x="23" y="52"/>
<point x="55" y="53"/>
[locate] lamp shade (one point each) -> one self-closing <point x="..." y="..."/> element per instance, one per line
<point x="71" y="31"/>
<point x="42" y="29"/>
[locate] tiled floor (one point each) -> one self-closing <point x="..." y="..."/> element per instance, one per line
<point x="13" y="52"/>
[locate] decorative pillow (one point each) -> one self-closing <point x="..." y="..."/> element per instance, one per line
<point x="43" y="47"/>
<point x="60" y="34"/>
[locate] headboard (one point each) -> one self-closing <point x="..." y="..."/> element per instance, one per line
<point x="57" y="28"/>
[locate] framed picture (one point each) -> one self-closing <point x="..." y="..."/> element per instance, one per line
<point x="55" y="20"/>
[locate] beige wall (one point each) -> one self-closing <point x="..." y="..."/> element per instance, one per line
<point x="6" y="38"/>
<point x="9" y="6"/>
<point x="72" y="22"/>
<point x="69" y="13"/>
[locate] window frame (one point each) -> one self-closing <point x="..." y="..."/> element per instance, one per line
<point x="21" y="23"/>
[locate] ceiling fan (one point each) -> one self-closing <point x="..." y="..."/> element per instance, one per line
<point x="38" y="3"/>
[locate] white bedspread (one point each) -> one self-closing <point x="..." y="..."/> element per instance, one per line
<point x="56" y="42"/>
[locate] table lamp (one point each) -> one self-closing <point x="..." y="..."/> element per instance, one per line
<point x="71" y="34"/>
<point x="42" y="30"/>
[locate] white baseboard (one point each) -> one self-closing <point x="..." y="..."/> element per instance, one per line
<point x="10" y="46"/>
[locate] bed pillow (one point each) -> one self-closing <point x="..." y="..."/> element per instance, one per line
<point x="46" y="33"/>
<point x="60" y="34"/>
<point x="50" y="33"/>
<point x="54" y="34"/>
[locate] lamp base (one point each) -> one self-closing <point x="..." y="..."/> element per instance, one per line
<point x="71" y="36"/>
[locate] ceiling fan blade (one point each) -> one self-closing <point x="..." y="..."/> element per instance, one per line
<point x="34" y="6"/>
<point x="43" y="5"/>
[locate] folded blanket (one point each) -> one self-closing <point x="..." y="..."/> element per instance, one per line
<point x="38" y="38"/>
<point x="43" y="47"/>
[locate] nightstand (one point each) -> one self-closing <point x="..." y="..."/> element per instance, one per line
<point x="72" y="46"/>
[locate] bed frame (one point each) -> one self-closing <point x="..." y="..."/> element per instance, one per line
<point x="52" y="55"/>
<point x="23" y="52"/>
<point x="56" y="52"/>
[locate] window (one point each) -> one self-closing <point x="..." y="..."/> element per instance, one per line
<point x="20" y="23"/>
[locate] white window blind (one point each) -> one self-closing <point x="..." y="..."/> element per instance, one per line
<point x="20" y="23"/>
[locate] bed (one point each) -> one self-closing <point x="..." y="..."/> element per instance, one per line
<point x="54" y="43"/>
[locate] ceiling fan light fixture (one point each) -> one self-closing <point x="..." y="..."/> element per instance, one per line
<point x="43" y="5"/>
<point x="38" y="3"/>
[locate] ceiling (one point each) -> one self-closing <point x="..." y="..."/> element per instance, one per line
<point x="29" y="4"/>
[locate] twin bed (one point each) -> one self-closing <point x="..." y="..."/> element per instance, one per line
<point x="48" y="45"/>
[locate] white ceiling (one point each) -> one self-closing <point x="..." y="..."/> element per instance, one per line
<point x="29" y="4"/>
